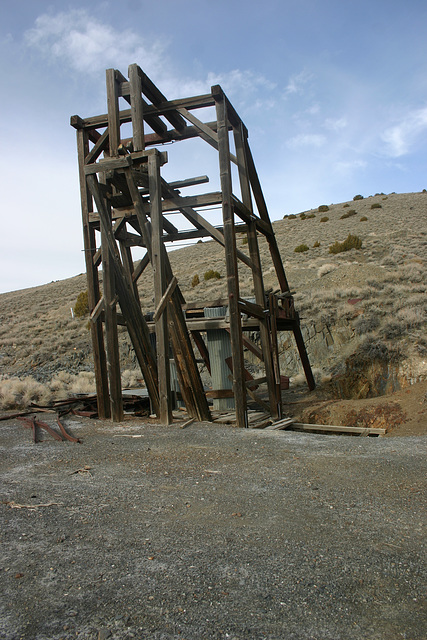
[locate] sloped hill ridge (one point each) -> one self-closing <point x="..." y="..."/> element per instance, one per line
<point x="363" y="311"/>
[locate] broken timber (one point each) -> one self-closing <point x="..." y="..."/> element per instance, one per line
<point x="127" y="203"/>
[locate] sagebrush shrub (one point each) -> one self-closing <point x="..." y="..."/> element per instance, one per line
<point x="316" y="244"/>
<point x="374" y="349"/>
<point x="348" y="214"/>
<point x="323" y="208"/>
<point x="376" y="205"/>
<point x="366" y="324"/>
<point x="291" y="216"/>
<point x="195" y="281"/>
<point x="324" y="219"/>
<point x="324" y="269"/>
<point x="212" y="275"/>
<point x="300" y="248"/>
<point x="392" y="330"/>
<point x="351" y="242"/>
<point x="358" y="197"/>
<point x="81" y="308"/>
<point x="363" y="219"/>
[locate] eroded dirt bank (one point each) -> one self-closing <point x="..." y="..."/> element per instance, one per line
<point x="210" y="532"/>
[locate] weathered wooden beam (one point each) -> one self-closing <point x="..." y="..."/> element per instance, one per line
<point x="249" y="217"/>
<point x="128" y="267"/>
<point x="154" y="94"/>
<point x="131" y="310"/>
<point x="160" y="286"/>
<point x="260" y="296"/>
<point x="251" y="309"/>
<point x="203" y="350"/>
<point x="113" y="111"/>
<point x="262" y="209"/>
<point x="161" y="305"/>
<point x="137" y="108"/>
<point x="98" y="347"/>
<point x="232" y="115"/>
<point x="304" y="356"/>
<point x="143" y="263"/>
<point x="205" y="132"/>
<point x="231" y="259"/>
<point x="111" y="335"/>
<point x="199" y="222"/>
<point x="188" y="373"/>
<point x="100" y="146"/>
<point x="362" y="431"/>
<point x="96" y="122"/>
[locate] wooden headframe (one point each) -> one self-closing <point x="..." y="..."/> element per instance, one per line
<point x="125" y="198"/>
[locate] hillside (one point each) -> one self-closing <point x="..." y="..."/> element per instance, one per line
<point x="363" y="311"/>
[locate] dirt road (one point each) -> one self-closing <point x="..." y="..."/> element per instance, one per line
<point x="211" y="532"/>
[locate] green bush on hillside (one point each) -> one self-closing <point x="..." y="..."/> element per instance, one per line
<point x="300" y="248"/>
<point x="212" y="275"/>
<point x="348" y="214"/>
<point x="81" y="308"/>
<point x="195" y="281"/>
<point x="351" y="242"/>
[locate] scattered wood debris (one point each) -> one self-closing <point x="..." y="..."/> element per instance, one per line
<point x="84" y="470"/>
<point x="34" y="424"/>
<point x="262" y="420"/>
<point x="187" y="423"/>
<point x="361" y="431"/>
<point x="31" y="507"/>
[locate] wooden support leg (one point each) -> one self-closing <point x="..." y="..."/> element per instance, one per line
<point x="98" y="348"/>
<point x="304" y="356"/>
<point x="260" y="298"/>
<point x="136" y="325"/>
<point x="187" y="371"/>
<point x="231" y="262"/>
<point x="113" y="355"/>
<point x="162" y="336"/>
<point x="275" y="355"/>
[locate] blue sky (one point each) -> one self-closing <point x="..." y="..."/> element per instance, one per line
<point x="333" y="92"/>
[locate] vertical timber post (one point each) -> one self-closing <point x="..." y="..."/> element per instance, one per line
<point x="239" y="386"/>
<point x="112" y="340"/>
<point x="99" y="357"/>
<point x="157" y="248"/>
<point x="275" y="402"/>
<point x="136" y="107"/>
<point x="113" y="112"/>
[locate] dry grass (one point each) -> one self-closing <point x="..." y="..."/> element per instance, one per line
<point x="40" y="341"/>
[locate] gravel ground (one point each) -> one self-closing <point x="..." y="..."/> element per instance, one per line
<point x="211" y="532"/>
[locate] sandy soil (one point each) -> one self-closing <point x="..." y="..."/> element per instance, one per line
<point x="210" y="531"/>
<point x="403" y="413"/>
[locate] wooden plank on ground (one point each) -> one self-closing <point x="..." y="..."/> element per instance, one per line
<point x="340" y="429"/>
<point x="280" y="424"/>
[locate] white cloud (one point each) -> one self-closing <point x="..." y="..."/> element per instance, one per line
<point x="348" y="167"/>
<point x="297" y="81"/>
<point x="401" y="137"/>
<point x="336" y="124"/>
<point x="86" y="44"/>
<point x="306" y="140"/>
